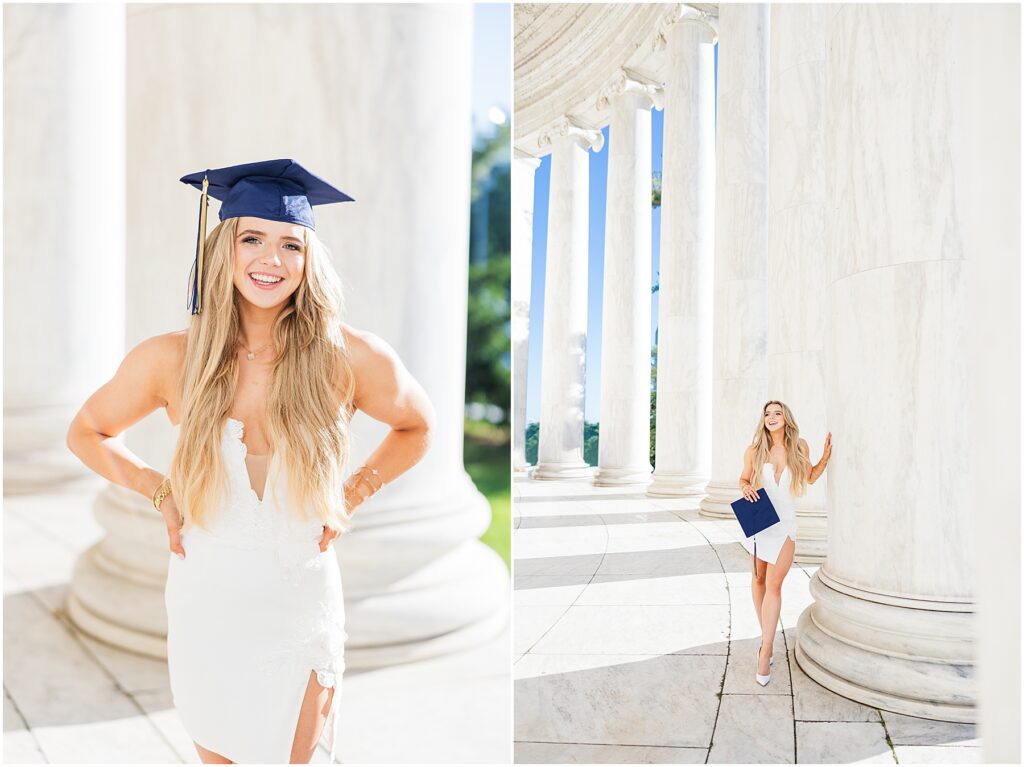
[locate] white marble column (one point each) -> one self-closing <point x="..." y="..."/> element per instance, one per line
<point x="685" y="304"/>
<point x="741" y="247"/>
<point x="524" y="169"/>
<point x="418" y="582"/>
<point x="796" y="270"/>
<point x="63" y="237"/>
<point x="624" y="447"/>
<point x="892" y="621"/>
<point x="563" y="364"/>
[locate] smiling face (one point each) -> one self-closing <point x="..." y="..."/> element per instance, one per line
<point x="774" y="418"/>
<point x="270" y="258"/>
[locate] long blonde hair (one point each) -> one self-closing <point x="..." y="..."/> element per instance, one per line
<point x="797" y="459"/>
<point x="309" y="393"/>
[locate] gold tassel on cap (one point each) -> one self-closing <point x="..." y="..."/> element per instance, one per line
<point x="197" y="268"/>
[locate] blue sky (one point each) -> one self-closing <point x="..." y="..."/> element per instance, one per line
<point x="598" y="183"/>
<point x="492" y="62"/>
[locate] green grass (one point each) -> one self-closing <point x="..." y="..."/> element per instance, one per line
<point x="487" y="458"/>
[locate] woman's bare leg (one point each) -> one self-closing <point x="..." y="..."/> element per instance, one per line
<point x="771" y="606"/>
<point x="316" y="705"/>
<point x="758" y="568"/>
<point x="210" y="757"/>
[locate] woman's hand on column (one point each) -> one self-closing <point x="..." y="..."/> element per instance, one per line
<point x="827" y="452"/>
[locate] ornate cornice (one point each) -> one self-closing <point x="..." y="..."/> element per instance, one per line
<point x="591" y="138"/>
<point x="625" y="81"/>
<point x="683" y="13"/>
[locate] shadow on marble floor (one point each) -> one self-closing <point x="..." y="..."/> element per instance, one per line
<point x="596" y="497"/>
<point x="702" y="704"/>
<point x="627" y="565"/>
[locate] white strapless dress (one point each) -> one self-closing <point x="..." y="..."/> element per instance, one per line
<point x="252" y="608"/>
<point x="771" y="539"/>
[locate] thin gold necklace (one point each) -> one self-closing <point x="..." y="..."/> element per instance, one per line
<point x="252" y="354"/>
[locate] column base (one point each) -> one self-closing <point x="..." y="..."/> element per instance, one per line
<point x="616" y="476"/>
<point x="121" y="609"/>
<point x="718" y="503"/>
<point x="910" y="656"/>
<point x="522" y="468"/>
<point x="417" y="581"/>
<point x="811" y="536"/>
<point x="665" y="484"/>
<point x="550" y="470"/>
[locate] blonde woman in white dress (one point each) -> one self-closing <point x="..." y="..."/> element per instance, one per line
<point x="263" y="384"/>
<point x="777" y="462"/>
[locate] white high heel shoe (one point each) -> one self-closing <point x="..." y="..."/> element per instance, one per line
<point x="763" y="680"/>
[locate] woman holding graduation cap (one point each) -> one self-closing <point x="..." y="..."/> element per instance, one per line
<point x="263" y="383"/>
<point x="775" y="451"/>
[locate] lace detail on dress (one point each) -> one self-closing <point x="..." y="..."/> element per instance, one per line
<point x="244" y="521"/>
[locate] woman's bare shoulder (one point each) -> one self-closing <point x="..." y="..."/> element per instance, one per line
<point x="165" y="353"/>
<point x="362" y="343"/>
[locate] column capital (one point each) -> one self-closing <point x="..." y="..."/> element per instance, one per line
<point x="565" y="126"/>
<point x="628" y="81"/>
<point x="681" y="12"/>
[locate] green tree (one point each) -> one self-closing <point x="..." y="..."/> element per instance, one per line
<point x="532" y="436"/>
<point x="488" y="360"/>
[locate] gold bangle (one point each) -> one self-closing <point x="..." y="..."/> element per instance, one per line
<point x="375" y="473"/>
<point x="162" y="492"/>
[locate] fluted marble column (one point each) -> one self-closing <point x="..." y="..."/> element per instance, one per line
<point x="796" y="269"/>
<point x="524" y="169"/>
<point x="892" y="621"/>
<point x="624" y="447"/>
<point x="741" y="247"/>
<point x="683" y="438"/>
<point x="563" y="364"/>
<point x="63" y="241"/>
<point x="418" y="582"/>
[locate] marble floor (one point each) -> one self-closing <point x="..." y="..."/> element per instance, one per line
<point x="635" y="642"/>
<point x="71" y="699"/>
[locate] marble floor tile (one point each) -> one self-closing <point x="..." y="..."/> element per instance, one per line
<point x="550" y="521"/>
<point x="688" y="560"/>
<point x="535" y="543"/>
<point x="939" y="754"/>
<point x="122" y="740"/>
<point x="739" y="674"/>
<point x="21" y="748"/>
<point x="566" y="564"/>
<point x="753" y="729"/>
<point x="638" y="630"/>
<point x="652" y="536"/>
<point x="667" y="700"/>
<point x="912" y="731"/>
<point x="51" y="676"/>
<point x="13" y="720"/>
<point x="814" y="703"/>
<point x="531" y="623"/>
<point x="697" y="589"/>
<point x="584" y="753"/>
<point x="718" y="531"/>
<point x="548" y="589"/>
<point x="842" y="742"/>
<point x="734" y="558"/>
<point x="133" y="672"/>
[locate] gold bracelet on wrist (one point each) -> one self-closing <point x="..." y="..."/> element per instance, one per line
<point x="375" y="473"/>
<point x="162" y="492"/>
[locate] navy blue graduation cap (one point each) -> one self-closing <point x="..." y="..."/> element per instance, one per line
<point x="277" y="190"/>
